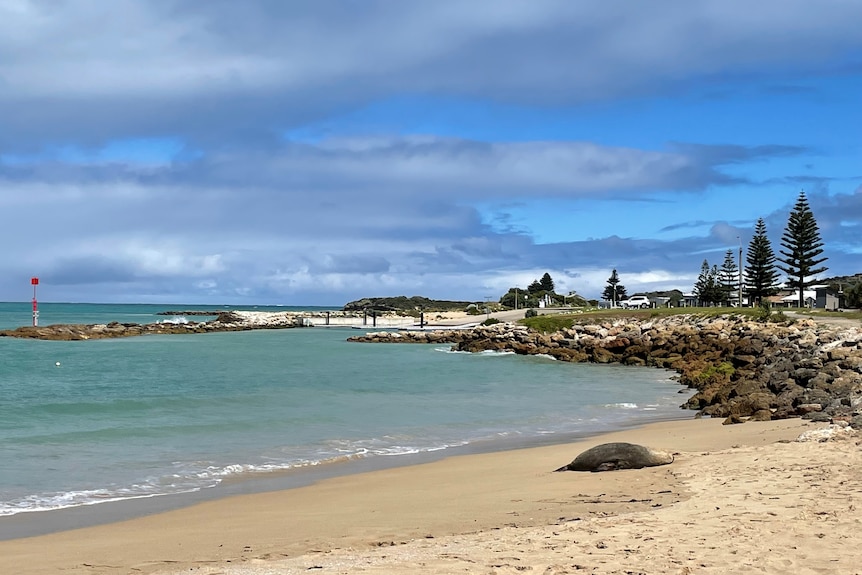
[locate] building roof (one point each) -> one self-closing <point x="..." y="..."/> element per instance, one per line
<point x="807" y="294"/>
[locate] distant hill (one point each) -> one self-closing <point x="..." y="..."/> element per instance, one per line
<point x="404" y="303"/>
<point x="842" y="282"/>
<point x="674" y="296"/>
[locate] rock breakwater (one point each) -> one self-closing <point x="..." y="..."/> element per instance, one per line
<point x="742" y="369"/>
<point x="225" y="321"/>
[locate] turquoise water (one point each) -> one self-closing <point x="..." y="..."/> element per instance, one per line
<point x="93" y="421"/>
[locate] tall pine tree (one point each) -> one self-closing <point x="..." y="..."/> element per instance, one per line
<point x="716" y="292"/>
<point x="761" y="277"/>
<point x="802" y="248"/>
<point x="728" y="277"/>
<point x="614" y="291"/>
<point x="707" y="288"/>
<point x="547" y="283"/>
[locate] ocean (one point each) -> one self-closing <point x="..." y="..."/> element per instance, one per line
<point x="87" y="423"/>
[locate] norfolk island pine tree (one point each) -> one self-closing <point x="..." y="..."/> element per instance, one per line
<point x="802" y="248"/>
<point x="614" y="291"/>
<point x="728" y="277"/>
<point x="761" y="277"/>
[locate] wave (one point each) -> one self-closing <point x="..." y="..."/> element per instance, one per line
<point x="84" y="497"/>
<point x="192" y="477"/>
<point x="485" y="353"/>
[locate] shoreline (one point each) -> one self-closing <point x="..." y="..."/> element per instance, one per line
<point x="45" y="522"/>
<point x="466" y="497"/>
<point x="419" y="508"/>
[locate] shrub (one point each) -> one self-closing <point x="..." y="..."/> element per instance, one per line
<point x="721" y="372"/>
<point x="765" y="314"/>
<point x="491" y="321"/>
<point x="531" y="313"/>
<point x="549" y="323"/>
<point x="779" y="317"/>
<point x="764" y="311"/>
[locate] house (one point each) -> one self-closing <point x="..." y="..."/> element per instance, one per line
<point x="689" y="300"/>
<point x="827" y="298"/>
<point x="817" y="296"/>
<point x="785" y="297"/>
<point x="792" y="299"/>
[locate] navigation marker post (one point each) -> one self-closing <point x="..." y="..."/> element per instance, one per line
<point x="34" y="282"/>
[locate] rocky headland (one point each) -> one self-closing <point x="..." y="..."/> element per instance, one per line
<point x="742" y="369"/>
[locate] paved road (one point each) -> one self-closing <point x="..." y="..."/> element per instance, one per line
<point x="835" y="319"/>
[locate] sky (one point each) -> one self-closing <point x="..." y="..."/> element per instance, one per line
<point x="291" y="152"/>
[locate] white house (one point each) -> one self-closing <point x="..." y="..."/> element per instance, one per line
<point x="792" y="300"/>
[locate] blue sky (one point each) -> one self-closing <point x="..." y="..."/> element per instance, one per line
<point x="316" y="152"/>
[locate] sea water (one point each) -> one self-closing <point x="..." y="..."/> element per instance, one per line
<point x="87" y="422"/>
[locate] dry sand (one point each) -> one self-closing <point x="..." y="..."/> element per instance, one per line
<point x="736" y="500"/>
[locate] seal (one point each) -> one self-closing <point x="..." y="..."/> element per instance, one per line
<point x="611" y="456"/>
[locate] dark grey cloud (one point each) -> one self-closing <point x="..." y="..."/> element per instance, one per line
<point x="445" y="165"/>
<point x="354" y="263"/>
<point x="206" y="72"/>
<point x="88" y="270"/>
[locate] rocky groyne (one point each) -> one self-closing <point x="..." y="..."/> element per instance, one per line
<point x="225" y="321"/>
<point x="742" y="369"/>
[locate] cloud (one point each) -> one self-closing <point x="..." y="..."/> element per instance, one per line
<point x="159" y="156"/>
<point x="349" y="206"/>
<point x="208" y="71"/>
<point x="722" y="155"/>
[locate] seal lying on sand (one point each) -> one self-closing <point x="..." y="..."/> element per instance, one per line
<point x="610" y="456"/>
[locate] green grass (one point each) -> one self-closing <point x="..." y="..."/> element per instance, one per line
<point x="556" y="322"/>
<point x="551" y="323"/>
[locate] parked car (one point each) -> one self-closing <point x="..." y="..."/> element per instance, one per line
<point x="636" y="302"/>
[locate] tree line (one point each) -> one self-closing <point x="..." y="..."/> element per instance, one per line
<point x="801" y="259"/>
<point x="542" y="289"/>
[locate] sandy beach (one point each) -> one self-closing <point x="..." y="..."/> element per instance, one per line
<point x="740" y="498"/>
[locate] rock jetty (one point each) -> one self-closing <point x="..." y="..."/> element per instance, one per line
<point x="225" y="321"/>
<point x="742" y="369"/>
